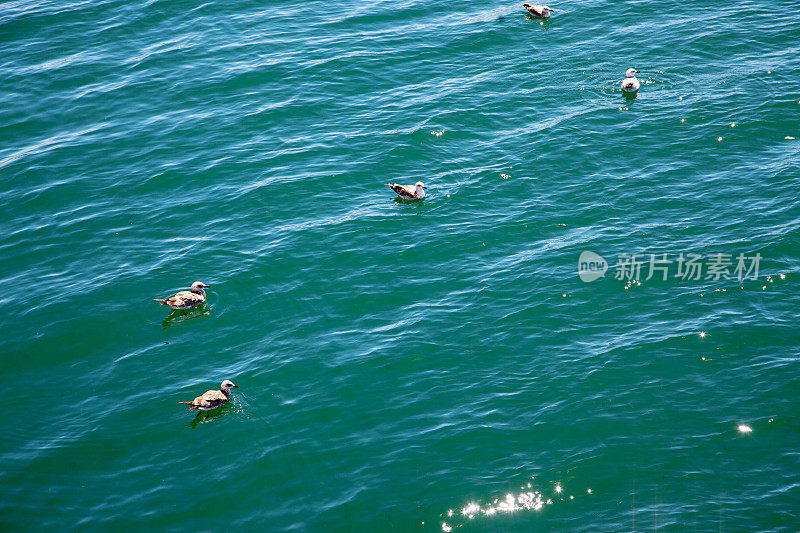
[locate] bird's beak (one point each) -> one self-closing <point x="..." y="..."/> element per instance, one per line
<point x="424" y="187"/>
<point x="236" y="386"/>
<point x="206" y="286"/>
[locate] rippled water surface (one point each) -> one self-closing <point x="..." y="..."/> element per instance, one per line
<point x="423" y="366"/>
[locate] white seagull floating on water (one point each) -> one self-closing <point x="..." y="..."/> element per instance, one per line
<point x="542" y="12"/>
<point x="409" y="192"/>
<point x="630" y="84"/>
<point x="213" y="398"/>
<point x="187" y="299"/>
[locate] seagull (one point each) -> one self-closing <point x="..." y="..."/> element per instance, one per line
<point x="213" y="398"/>
<point x="187" y="299"/>
<point x="409" y="192"/>
<point x="630" y="84"/>
<point x="542" y="12"/>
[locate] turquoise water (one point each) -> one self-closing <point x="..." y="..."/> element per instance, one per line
<point x="402" y="366"/>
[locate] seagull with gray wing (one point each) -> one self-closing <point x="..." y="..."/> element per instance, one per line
<point x="187" y="299"/>
<point x="542" y="12"/>
<point x="409" y="192"/>
<point x="213" y="398"/>
<point x="630" y="84"/>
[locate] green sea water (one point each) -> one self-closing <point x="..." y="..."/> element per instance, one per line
<point x="403" y="366"/>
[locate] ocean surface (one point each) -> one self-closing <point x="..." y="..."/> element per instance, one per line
<point x="437" y="365"/>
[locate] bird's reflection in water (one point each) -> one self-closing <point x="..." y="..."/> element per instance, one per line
<point x="179" y="315"/>
<point x="409" y="201"/>
<point x="203" y="417"/>
<point x="544" y="23"/>
<point x="234" y="406"/>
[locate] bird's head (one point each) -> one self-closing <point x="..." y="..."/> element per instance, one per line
<point x="631" y="73"/>
<point x="199" y="285"/>
<point x="227" y="385"/>
<point x="419" y="186"/>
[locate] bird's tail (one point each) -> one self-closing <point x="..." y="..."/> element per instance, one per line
<point x="190" y="403"/>
<point x="159" y="300"/>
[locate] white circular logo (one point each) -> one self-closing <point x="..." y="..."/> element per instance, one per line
<point x="591" y="266"/>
